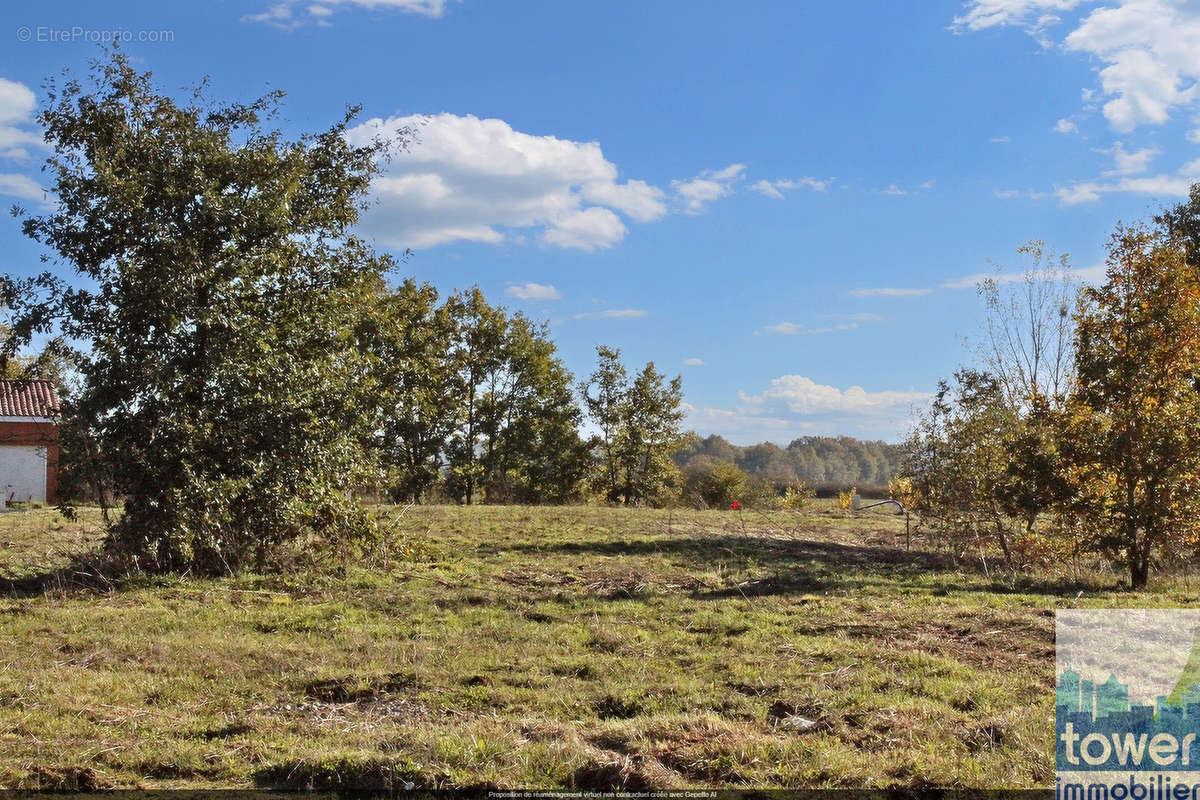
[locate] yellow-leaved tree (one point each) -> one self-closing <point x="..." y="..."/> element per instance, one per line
<point x="1134" y="418"/>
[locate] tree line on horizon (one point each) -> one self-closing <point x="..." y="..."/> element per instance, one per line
<point x="822" y="465"/>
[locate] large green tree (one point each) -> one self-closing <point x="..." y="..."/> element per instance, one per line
<point x="412" y="384"/>
<point x="604" y="395"/>
<point x="532" y="451"/>
<point x="639" y="430"/>
<point x="216" y="280"/>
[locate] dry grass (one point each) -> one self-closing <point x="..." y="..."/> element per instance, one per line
<point x="548" y="647"/>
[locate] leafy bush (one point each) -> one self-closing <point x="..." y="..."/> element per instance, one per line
<point x="846" y="498"/>
<point x="796" y="497"/>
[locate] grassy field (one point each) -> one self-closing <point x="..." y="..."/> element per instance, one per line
<point x="548" y="647"/>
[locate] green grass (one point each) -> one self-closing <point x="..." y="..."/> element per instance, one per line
<point x="541" y="647"/>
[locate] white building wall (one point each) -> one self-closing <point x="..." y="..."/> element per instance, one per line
<point x="23" y="472"/>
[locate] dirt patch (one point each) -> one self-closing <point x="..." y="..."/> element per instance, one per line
<point x="69" y="779"/>
<point x="355" y="688"/>
<point x="609" y="772"/>
<point x="358" y="775"/>
<point x="609" y="707"/>
<point x="705" y="767"/>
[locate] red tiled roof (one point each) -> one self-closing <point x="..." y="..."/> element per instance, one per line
<point x="27" y="399"/>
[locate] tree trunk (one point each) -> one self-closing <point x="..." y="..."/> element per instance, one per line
<point x="1139" y="572"/>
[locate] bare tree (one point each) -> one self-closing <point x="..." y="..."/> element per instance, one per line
<point x="1028" y="330"/>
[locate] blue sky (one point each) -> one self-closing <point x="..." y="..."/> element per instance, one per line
<point x="785" y="202"/>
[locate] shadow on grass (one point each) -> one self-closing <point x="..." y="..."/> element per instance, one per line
<point x="800" y="566"/>
<point x="91" y="572"/>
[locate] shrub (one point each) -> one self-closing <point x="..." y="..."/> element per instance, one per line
<point x="846" y="498"/>
<point x="796" y="497"/>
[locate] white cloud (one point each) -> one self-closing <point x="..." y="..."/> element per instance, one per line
<point x="743" y="428"/>
<point x="17" y="103"/>
<point x="1000" y="139"/>
<point x="636" y="199"/>
<point x="1126" y="163"/>
<point x="794" y="329"/>
<point x="694" y="362"/>
<point x="1033" y="15"/>
<point x="586" y="230"/>
<point x="840" y="322"/>
<point x="696" y="193"/>
<point x="1147" y="48"/>
<point x="1012" y="194"/>
<point x="1157" y="185"/>
<point x="1065" y="125"/>
<point x="21" y="186"/>
<point x="613" y="313"/>
<point x="895" y="190"/>
<point x="1093" y="274"/>
<point x="471" y="179"/>
<point x="1086" y="274"/>
<point x="533" y="291"/>
<point x="803" y="395"/>
<point x="973" y="280"/>
<point x="775" y="189"/>
<point x="283" y="14"/>
<point x="889" y="292"/>
<point x="794" y="405"/>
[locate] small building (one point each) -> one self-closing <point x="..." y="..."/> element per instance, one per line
<point x="28" y="441"/>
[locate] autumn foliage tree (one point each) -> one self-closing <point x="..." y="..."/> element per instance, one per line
<point x="1135" y="413"/>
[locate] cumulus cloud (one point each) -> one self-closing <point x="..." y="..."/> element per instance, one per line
<point x="1127" y="163"/>
<point x="17" y="134"/>
<point x="694" y="362"/>
<point x="802" y="395"/>
<point x="744" y="428"/>
<point x="286" y="16"/>
<point x="696" y="193"/>
<point x="22" y="187"/>
<point x="533" y="291"/>
<point x="889" y="291"/>
<point x="1065" y="125"/>
<point x="586" y="229"/>
<point x="795" y="405"/>
<point x="613" y="313"/>
<point x="1147" y="48"/>
<point x="775" y="189"/>
<point x="471" y="179"/>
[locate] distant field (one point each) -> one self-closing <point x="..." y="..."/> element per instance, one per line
<point x="548" y="647"/>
